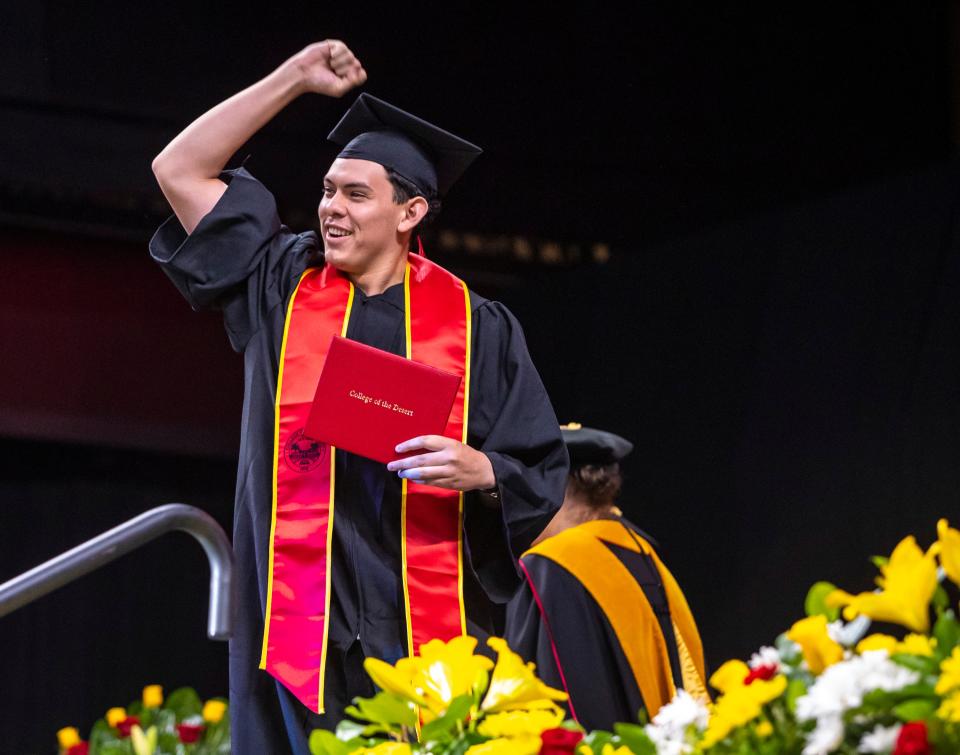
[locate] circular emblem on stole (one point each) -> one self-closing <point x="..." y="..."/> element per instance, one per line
<point x="304" y="454"/>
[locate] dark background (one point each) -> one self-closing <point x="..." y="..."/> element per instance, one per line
<point x="730" y="235"/>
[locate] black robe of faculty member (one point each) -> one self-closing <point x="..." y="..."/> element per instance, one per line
<point x="595" y="670"/>
<point x="242" y="260"/>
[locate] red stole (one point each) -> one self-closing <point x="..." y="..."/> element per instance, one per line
<point x="438" y="329"/>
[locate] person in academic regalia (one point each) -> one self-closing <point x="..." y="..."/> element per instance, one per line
<point x="599" y="613"/>
<point x="338" y="557"/>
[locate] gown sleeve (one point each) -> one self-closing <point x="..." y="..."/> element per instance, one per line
<point x="512" y="421"/>
<point x="240" y="258"/>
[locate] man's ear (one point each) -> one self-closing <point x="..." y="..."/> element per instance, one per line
<point x="415" y="211"/>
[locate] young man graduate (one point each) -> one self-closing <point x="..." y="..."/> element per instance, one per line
<point x="340" y="557"/>
<point x="599" y="613"/>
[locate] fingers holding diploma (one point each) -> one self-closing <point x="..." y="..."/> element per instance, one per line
<point x="444" y="463"/>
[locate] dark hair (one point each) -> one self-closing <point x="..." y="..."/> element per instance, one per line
<point x="599" y="484"/>
<point x="403" y="190"/>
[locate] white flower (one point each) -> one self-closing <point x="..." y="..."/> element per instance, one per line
<point x="835" y="631"/>
<point x="826" y="737"/>
<point x="881" y="740"/>
<point x="765" y="656"/>
<point x="668" y="730"/>
<point x="842" y="687"/>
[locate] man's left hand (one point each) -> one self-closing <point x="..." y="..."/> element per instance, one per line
<point x="445" y="463"/>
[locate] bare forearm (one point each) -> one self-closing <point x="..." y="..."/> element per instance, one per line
<point x="188" y="167"/>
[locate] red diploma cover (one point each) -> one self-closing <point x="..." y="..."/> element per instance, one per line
<point x="369" y="400"/>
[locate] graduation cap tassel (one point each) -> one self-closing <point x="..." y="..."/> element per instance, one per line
<point x="420" y="246"/>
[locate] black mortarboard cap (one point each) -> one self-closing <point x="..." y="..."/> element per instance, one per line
<point x="590" y="446"/>
<point x="429" y="157"/>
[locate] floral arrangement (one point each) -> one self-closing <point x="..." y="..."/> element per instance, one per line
<point x="179" y="725"/>
<point x="822" y="688"/>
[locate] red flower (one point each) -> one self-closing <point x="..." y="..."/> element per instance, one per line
<point x="126" y="724"/>
<point x="765" y="673"/>
<point x="559" y="741"/>
<point x="189" y="732"/>
<point x="913" y="740"/>
<point x="80" y="748"/>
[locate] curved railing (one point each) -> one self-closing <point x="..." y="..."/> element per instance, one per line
<point x="129" y="536"/>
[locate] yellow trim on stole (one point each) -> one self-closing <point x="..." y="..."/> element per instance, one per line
<point x="276" y="459"/>
<point x="466" y="416"/>
<point x="403" y="484"/>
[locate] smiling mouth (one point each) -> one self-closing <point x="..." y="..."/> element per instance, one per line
<point x="337" y="233"/>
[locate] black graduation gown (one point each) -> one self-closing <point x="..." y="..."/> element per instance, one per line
<point x="242" y="260"/>
<point x="598" y="677"/>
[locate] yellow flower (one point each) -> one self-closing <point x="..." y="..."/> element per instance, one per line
<point x="513" y="683"/>
<point x="67" y="737"/>
<point x="115" y="716"/>
<point x="442" y="671"/>
<point x="739" y="706"/>
<point x="819" y="650"/>
<point x="395" y="680"/>
<point x="144" y="743"/>
<point x="908" y="582"/>
<point x="949" y="548"/>
<point x="450" y="669"/>
<point x="729" y="676"/>
<point x="152" y="696"/>
<point x="916" y="644"/>
<point x="608" y="749"/>
<point x="950" y="708"/>
<point x="584" y="750"/>
<point x="877" y="641"/>
<point x="764" y="729"/>
<point x="949" y="673"/>
<point x="213" y="711"/>
<point x="529" y="745"/>
<point x="518" y="723"/>
<point x="912" y="644"/>
<point x="385" y="748"/>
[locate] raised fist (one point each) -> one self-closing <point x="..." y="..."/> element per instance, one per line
<point x="329" y="68"/>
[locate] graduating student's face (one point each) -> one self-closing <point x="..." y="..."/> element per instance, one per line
<point x="358" y="217"/>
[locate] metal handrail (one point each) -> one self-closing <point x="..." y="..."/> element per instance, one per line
<point x="129" y="536"/>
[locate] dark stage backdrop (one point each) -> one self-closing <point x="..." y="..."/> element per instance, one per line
<point x="792" y="384"/>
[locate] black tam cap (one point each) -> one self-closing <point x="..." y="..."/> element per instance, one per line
<point x="589" y="446"/>
<point x="428" y="157"/>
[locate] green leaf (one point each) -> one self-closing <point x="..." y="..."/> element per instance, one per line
<point x="923" y="663"/>
<point x="168" y="744"/>
<point x="384" y="708"/>
<point x="595" y="740"/>
<point x="634" y="737"/>
<point x="815" y="603"/>
<point x="940" y="600"/>
<point x="115" y="747"/>
<point x="184" y="702"/>
<point x="947" y="632"/>
<point x="915" y="710"/>
<point x="347" y="729"/>
<point x="446" y="725"/>
<point x="796" y="688"/>
<point x="326" y="743"/>
<point x="461" y="744"/>
<point x="165" y="721"/>
<point x="101" y="733"/>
